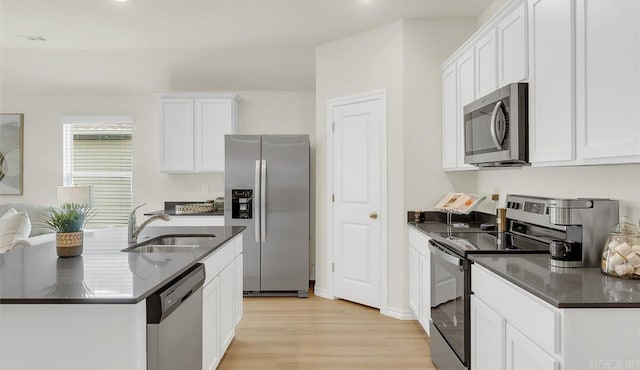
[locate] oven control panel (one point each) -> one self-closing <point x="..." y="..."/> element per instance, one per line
<point x="530" y="207"/>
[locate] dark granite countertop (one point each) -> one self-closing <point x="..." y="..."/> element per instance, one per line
<point x="103" y="274"/>
<point x="562" y="287"/>
<point x="439" y="227"/>
<point x="435" y="222"/>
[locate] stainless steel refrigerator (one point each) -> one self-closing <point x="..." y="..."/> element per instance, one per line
<point x="267" y="190"/>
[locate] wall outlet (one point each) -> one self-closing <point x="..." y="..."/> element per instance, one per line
<point x="495" y="197"/>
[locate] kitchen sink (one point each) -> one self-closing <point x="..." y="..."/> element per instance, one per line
<point x="172" y="243"/>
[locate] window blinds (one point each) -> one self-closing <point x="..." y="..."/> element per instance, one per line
<point x="101" y="155"/>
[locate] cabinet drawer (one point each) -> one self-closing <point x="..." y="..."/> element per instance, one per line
<point x="218" y="260"/>
<point x="534" y="318"/>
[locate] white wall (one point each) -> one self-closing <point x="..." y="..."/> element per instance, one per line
<point x="427" y="44"/>
<point x="490" y="11"/>
<point x="404" y="58"/>
<point x="259" y="112"/>
<point x="621" y="182"/>
<point x="361" y="63"/>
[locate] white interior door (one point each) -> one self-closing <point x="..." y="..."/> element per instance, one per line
<point x="357" y="206"/>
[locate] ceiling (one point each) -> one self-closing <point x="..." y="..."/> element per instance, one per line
<point x="169" y="33"/>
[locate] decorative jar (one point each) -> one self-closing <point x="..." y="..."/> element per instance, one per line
<point x="621" y="252"/>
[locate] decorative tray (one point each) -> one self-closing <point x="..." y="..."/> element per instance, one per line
<point x="194" y="208"/>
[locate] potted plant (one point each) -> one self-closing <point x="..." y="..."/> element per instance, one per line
<point x="68" y="221"/>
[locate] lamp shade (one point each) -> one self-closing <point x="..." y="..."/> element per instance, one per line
<point x="75" y="194"/>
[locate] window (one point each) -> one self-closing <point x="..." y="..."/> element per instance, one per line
<point x="98" y="152"/>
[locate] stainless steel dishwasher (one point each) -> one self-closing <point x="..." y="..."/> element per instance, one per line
<point x="174" y="323"/>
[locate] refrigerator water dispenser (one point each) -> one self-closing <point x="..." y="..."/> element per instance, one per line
<point x="241" y="203"/>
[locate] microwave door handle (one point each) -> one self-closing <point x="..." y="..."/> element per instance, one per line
<point x="494" y="133"/>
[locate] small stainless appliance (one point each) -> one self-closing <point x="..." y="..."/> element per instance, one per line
<point x="174" y="323"/>
<point x="586" y="224"/>
<point x="496" y="128"/>
<point x="267" y="180"/>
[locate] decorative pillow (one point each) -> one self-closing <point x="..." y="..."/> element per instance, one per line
<point x="13" y="226"/>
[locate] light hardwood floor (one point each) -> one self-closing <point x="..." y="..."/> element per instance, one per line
<point x="316" y="333"/>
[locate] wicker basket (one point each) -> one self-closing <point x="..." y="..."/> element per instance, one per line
<point x="69" y="244"/>
<point x="194" y="208"/>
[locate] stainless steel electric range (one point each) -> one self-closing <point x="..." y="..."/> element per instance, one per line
<point x="528" y="231"/>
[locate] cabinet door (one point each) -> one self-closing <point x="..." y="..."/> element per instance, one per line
<point x="551" y="69"/>
<point x="414" y="281"/>
<point x="487" y="337"/>
<point x="466" y="94"/>
<point x="214" y="118"/>
<point x="486" y="66"/>
<point x="210" y="325"/>
<point x="176" y="135"/>
<point x="608" y="78"/>
<point x="523" y="354"/>
<point x="425" y="292"/>
<point x="227" y="303"/>
<point x="512" y="47"/>
<point x="238" y="287"/>
<point x="449" y="118"/>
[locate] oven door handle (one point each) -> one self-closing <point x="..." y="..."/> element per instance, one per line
<point x="438" y="252"/>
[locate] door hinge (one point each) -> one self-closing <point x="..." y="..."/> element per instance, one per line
<point x="333" y="267"/>
<point x="333" y="127"/>
<point x="333" y="198"/>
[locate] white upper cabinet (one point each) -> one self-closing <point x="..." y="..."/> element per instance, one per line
<point x="494" y="56"/>
<point x="512" y="47"/>
<point x="551" y="73"/>
<point x="466" y="94"/>
<point x="176" y="132"/>
<point x="607" y="78"/>
<point x="486" y="65"/>
<point x="192" y="130"/>
<point x="449" y="118"/>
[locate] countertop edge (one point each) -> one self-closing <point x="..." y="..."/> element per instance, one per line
<point x="546" y="298"/>
<point x="136" y="300"/>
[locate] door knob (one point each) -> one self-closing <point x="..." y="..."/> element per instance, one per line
<point x="373" y="215"/>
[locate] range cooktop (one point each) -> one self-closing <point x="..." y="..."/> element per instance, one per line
<point x="463" y="243"/>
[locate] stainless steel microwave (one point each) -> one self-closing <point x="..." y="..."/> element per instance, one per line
<point x="496" y="128"/>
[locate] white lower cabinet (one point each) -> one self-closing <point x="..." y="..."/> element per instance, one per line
<point x="523" y="354"/>
<point x="420" y="277"/>
<point x="210" y="323"/>
<point x="238" y="288"/>
<point x="227" y="300"/>
<point x="512" y="329"/>
<point x="222" y="301"/>
<point x="487" y="337"/>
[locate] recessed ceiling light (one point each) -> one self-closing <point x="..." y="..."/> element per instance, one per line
<point x="30" y="37"/>
<point x="120" y="1"/>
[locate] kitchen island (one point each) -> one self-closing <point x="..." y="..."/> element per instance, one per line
<point x="90" y="311"/>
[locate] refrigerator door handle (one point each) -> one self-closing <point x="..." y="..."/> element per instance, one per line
<point x="255" y="204"/>
<point x="263" y="201"/>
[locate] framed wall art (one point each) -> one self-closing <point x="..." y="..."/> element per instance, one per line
<point x="11" y="153"/>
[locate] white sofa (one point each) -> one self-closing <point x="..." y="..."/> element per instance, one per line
<point x="39" y="233"/>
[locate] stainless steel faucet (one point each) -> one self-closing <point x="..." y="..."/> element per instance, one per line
<point x="134" y="229"/>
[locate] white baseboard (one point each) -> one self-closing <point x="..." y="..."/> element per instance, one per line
<point x="319" y="292"/>
<point x="399" y="314"/>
